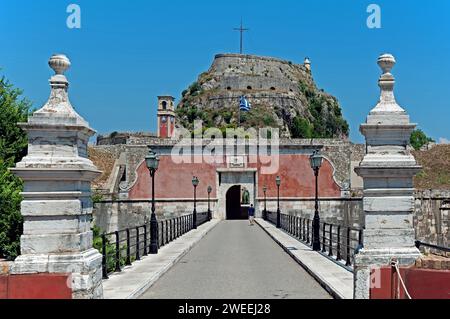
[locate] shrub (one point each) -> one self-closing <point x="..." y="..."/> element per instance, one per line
<point x="13" y="146"/>
<point x="419" y="139"/>
<point x="301" y="128"/>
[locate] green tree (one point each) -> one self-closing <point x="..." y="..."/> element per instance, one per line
<point x="13" y="145"/>
<point x="419" y="139"/>
<point x="301" y="128"/>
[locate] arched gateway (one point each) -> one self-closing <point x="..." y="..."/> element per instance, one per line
<point x="234" y="209"/>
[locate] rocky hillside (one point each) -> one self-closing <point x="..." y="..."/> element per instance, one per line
<point x="436" y="168"/>
<point x="282" y="94"/>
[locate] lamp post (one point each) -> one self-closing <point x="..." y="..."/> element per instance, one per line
<point x="152" y="162"/>
<point x="278" y="181"/>
<point x="195" y="183"/>
<point x="265" y="203"/>
<point x="316" y="162"/>
<point x="209" y="206"/>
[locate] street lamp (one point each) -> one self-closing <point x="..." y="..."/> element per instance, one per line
<point x="278" y="181"/>
<point x="209" y="206"/>
<point x="316" y="162"/>
<point x="152" y="162"/>
<point x="265" y="203"/>
<point x="195" y="183"/>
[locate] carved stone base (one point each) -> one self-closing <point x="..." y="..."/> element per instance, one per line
<point x="366" y="260"/>
<point x="85" y="270"/>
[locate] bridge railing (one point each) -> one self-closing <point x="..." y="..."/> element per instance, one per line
<point x="123" y="247"/>
<point x="434" y="249"/>
<point x="336" y="241"/>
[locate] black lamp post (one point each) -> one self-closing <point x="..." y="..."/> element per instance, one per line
<point x="265" y="203"/>
<point x="278" y="181"/>
<point x="195" y="183"/>
<point x="316" y="162"/>
<point x="209" y="206"/>
<point x="152" y="162"/>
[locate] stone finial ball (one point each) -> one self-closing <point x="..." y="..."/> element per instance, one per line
<point x="59" y="63"/>
<point x="386" y="62"/>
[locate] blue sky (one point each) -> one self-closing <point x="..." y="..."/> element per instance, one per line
<point x="128" y="52"/>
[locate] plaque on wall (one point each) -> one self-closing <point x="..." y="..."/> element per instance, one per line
<point x="236" y="162"/>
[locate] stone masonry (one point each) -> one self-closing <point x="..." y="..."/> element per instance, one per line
<point x="387" y="170"/>
<point x="57" y="206"/>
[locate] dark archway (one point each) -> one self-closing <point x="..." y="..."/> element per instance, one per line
<point x="234" y="209"/>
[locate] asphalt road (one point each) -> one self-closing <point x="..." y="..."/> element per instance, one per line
<point x="236" y="261"/>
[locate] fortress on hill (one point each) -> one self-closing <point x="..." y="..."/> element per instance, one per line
<point x="283" y="95"/>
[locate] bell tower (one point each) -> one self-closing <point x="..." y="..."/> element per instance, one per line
<point x="166" y="116"/>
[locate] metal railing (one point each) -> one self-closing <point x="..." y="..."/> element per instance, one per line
<point x="336" y="241"/>
<point x="442" y="249"/>
<point x="121" y="248"/>
<point x="341" y="242"/>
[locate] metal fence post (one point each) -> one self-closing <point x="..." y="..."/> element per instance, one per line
<point x="138" y="256"/>
<point x="323" y="238"/>
<point x="307" y="234"/>
<point x="104" y="258"/>
<point x="128" y="261"/>
<point x="167" y="231"/>
<point x="303" y="230"/>
<point x="338" y="256"/>
<point x="348" y="262"/>
<point x="360" y="239"/>
<point x="330" y="253"/>
<point x="145" y="240"/>
<point x="117" y="252"/>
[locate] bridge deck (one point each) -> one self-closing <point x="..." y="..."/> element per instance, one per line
<point x="236" y="261"/>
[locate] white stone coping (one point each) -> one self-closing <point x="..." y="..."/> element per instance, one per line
<point x="135" y="280"/>
<point x="337" y="280"/>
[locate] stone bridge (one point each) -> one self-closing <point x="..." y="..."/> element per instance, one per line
<point x="194" y="255"/>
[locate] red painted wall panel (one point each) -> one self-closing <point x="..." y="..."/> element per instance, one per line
<point x="384" y="290"/>
<point x="421" y="284"/>
<point x="41" y="286"/>
<point x="298" y="180"/>
<point x="174" y="180"/>
<point x="428" y="284"/>
<point x="3" y="287"/>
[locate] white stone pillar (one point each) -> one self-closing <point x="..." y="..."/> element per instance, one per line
<point x="57" y="207"/>
<point x="387" y="170"/>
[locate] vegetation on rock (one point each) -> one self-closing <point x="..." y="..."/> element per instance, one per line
<point x="419" y="139"/>
<point x="435" y="172"/>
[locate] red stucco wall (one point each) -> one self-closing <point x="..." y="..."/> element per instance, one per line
<point x="36" y="286"/>
<point x="174" y="180"/>
<point x="421" y="284"/>
<point x="297" y="179"/>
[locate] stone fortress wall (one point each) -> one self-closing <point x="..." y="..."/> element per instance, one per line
<point x="267" y="80"/>
<point x="239" y="72"/>
<point x="117" y="212"/>
<point x="340" y="152"/>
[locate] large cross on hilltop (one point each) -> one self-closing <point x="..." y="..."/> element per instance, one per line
<point x="241" y="29"/>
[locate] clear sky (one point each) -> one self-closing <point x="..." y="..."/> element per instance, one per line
<point x="129" y="52"/>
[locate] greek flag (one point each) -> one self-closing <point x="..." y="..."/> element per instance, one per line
<point x="244" y="105"/>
